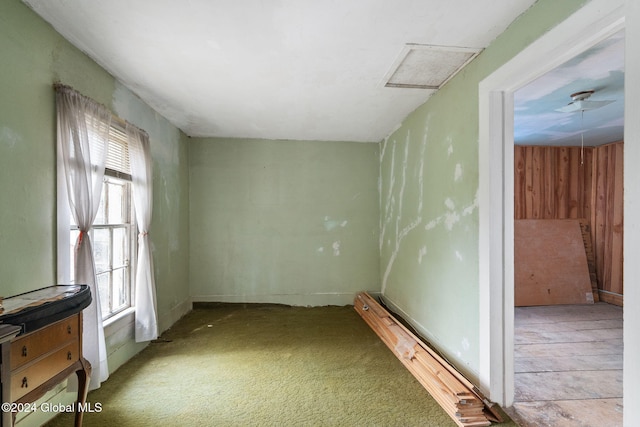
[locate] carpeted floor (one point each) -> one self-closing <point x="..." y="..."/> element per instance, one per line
<point x="264" y="365"/>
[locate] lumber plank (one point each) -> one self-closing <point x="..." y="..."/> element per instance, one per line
<point x="456" y="395"/>
<point x="585" y="229"/>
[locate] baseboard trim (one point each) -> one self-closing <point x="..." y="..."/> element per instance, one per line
<point x="611" y="298"/>
<point x="305" y="300"/>
<point x="166" y="320"/>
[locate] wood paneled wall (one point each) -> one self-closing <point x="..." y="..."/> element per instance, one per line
<point x="607" y="219"/>
<point x="572" y="183"/>
<point x="552" y="182"/>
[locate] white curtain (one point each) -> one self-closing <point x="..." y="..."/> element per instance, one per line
<point x="145" y="295"/>
<point x="83" y="135"/>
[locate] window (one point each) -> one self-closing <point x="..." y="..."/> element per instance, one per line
<point x="94" y="176"/>
<point x="113" y="239"/>
<point x="113" y="234"/>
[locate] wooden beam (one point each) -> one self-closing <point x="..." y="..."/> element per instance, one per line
<point x="454" y="393"/>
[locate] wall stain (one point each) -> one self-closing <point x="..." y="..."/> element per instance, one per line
<point x="330" y="224"/>
<point x="336" y="248"/>
<point x="9" y="137"/>
<point x="457" y="175"/>
<point x="421" y="253"/>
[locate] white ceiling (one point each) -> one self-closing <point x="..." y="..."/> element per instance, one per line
<point x="283" y="69"/>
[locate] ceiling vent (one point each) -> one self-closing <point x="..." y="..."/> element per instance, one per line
<point x="428" y="67"/>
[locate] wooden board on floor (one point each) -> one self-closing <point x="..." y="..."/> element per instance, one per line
<point x="550" y="263"/>
<point x="455" y="394"/>
<point x="585" y="228"/>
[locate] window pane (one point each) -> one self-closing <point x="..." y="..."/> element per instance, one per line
<point x="119" y="290"/>
<point x="120" y="243"/>
<point x="101" y="249"/>
<point x="103" y="291"/>
<point x="101" y="216"/>
<point x="73" y="236"/>
<point x="116" y="199"/>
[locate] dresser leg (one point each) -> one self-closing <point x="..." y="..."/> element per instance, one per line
<point x="84" y="375"/>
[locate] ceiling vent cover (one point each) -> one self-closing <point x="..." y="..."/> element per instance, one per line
<point x="428" y="67"/>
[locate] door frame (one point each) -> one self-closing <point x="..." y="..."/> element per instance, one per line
<point x="596" y="21"/>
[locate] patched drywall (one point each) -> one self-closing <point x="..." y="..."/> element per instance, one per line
<point x="291" y="222"/>
<point x="429" y="200"/>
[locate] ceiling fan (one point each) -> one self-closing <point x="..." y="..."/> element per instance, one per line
<point x="580" y="102"/>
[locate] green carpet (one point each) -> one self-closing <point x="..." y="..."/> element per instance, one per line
<point x="264" y="365"/>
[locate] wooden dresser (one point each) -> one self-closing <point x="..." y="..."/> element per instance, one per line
<point x="46" y="350"/>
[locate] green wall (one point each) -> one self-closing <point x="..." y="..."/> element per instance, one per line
<point x="292" y="222"/>
<point x="429" y="206"/>
<point x="34" y="56"/>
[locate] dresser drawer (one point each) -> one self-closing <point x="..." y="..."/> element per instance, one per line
<point x="31" y="346"/>
<point x="29" y="377"/>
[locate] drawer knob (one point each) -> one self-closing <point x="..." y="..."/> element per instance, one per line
<point x="24" y="351"/>
<point x="69" y="329"/>
<point x="24" y="382"/>
<point x="68" y="355"/>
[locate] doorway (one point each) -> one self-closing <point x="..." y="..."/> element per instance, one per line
<point x="568" y="227"/>
<point x="595" y="22"/>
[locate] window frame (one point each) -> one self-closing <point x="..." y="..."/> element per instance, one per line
<point x="117" y="137"/>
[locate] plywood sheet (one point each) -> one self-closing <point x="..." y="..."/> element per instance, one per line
<point x="550" y="263"/>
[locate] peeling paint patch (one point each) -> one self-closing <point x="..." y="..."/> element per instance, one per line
<point x="330" y="224"/>
<point x="465" y="344"/>
<point x="9" y="137"/>
<point x="457" y="175"/>
<point x="336" y="248"/>
<point x="469" y="209"/>
<point x="320" y="249"/>
<point x="449" y="204"/>
<point x="459" y="256"/>
<point x="421" y="254"/>
<point x="432" y="224"/>
<point x="450" y="147"/>
<point x="450" y="219"/>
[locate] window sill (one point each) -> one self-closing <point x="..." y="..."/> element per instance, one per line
<point x="119" y="321"/>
